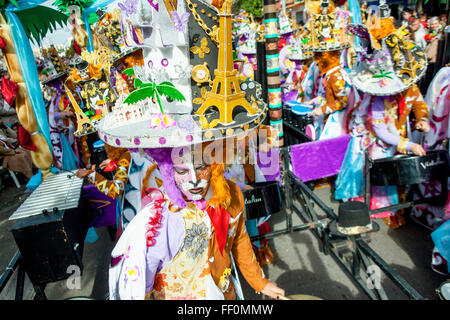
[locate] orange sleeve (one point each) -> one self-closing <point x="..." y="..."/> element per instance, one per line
<point x="244" y="255"/>
<point x="334" y="101"/>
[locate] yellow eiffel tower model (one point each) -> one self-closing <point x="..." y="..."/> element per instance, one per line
<point x="225" y="93"/>
<point x="84" y="125"/>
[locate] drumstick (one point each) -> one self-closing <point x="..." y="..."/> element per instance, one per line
<point x="283" y="298"/>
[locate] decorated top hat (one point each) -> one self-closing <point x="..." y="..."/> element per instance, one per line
<point x="295" y="50"/>
<point x="389" y="66"/>
<point x="326" y="29"/>
<point x="353" y="219"/>
<point x="161" y="112"/>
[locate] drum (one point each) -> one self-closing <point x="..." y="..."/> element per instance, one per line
<point x="263" y="200"/>
<point x="444" y="290"/>
<point x="410" y="169"/>
<point x="287" y="115"/>
<point x="300" y="115"/>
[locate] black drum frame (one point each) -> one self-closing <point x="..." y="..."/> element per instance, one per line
<point x="409" y="203"/>
<point x="352" y="253"/>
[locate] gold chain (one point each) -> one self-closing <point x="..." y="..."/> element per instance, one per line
<point x="214" y="33"/>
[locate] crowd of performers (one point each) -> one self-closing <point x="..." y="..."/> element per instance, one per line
<point x="353" y="89"/>
<point x="181" y="225"/>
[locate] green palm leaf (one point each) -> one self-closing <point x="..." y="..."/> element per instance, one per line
<point x="137" y="83"/>
<point x="168" y="89"/>
<point x="139" y="95"/>
<point x="128" y="72"/>
<point x="36" y="26"/>
<point x="5" y="3"/>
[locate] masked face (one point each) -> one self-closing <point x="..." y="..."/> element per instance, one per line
<point x="192" y="179"/>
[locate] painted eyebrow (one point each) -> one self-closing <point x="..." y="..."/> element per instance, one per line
<point x="180" y="168"/>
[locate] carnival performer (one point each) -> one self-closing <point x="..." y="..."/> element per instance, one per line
<point x="185" y="240"/>
<point x="64" y="144"/>
<point x="245" y="171"/>
<point x="380" y="123"/>
<point x="180" y="244"/>
<point x="119" y="159"/>
<point x="435" y="217"/>
<point x="326" y="43"/>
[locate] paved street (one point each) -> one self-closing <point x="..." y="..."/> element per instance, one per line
<point x="299" y="267"/>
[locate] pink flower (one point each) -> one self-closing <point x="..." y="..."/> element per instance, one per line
<point x="383" y="83"/>
<point x="162" y="121"/>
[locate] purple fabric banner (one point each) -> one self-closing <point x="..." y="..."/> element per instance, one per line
<point x="102" y="202"/>
<point x="319" y="159"/>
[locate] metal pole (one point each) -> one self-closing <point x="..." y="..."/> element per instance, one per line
<point x="392" y="274"/>
<point x="313" y="196"/>
<point x="273" y="69"/>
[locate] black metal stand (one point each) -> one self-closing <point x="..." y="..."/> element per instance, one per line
<point x="17" y="264"/>
<point x="351" y="253"/>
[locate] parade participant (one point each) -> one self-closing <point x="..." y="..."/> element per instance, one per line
<point x="62" y="128"/>
<point x="245" y="171"/>
<point x="326" y="42"/>
<point x="182" y="243"/>
<point x="119" y="159"/>
<point x="431" y="215"/>
<point x="387" y="70"/>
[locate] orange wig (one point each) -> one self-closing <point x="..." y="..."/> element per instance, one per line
<point x="114" y="153"/>
<point x="221" y="190"/>
<point x="327" y="60"/>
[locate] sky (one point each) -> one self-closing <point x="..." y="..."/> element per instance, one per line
<point x="62" y="36"/>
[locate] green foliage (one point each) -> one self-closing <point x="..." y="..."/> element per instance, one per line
<point x="62" y="5"/>
<point x="92" y="18"/>
<point x="139" y="95"/>
<point x="152" y="90"/>
<point x="5" y="3"/>
<point x="128" y="72"/>
<point x="254" y="7"/>
<point x="169" y="90"/>
<point x="36" y="26"/>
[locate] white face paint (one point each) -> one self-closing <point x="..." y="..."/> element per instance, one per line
<point x="192" y="179"/>
<point x="188" y="186"/>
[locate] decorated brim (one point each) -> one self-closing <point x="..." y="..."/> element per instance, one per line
<point x="299" y="55"/>
<point x="55" y="77"/>
<point x="143" y="125"/>
<point x="336" y="229"/>
<point x="390" y="70"/>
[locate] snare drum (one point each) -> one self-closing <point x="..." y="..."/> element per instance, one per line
<point x="301" y="113"/>
<point x="444" y="290"/>
<point x="410" y="169"/>
<point x="263" y="200"/>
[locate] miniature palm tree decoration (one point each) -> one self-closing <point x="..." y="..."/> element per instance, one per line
<point x="145" y="90"/>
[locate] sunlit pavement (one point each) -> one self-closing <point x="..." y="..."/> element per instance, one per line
<point x="299" y="267"/>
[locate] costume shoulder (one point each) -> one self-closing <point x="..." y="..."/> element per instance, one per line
<point x="237" y="199"/>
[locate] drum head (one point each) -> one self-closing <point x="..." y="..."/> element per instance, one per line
<point x="444" y="290"/>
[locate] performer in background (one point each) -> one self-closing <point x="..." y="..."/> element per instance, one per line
<point x="381" y="122"/>
<point x="326" y="40"/>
